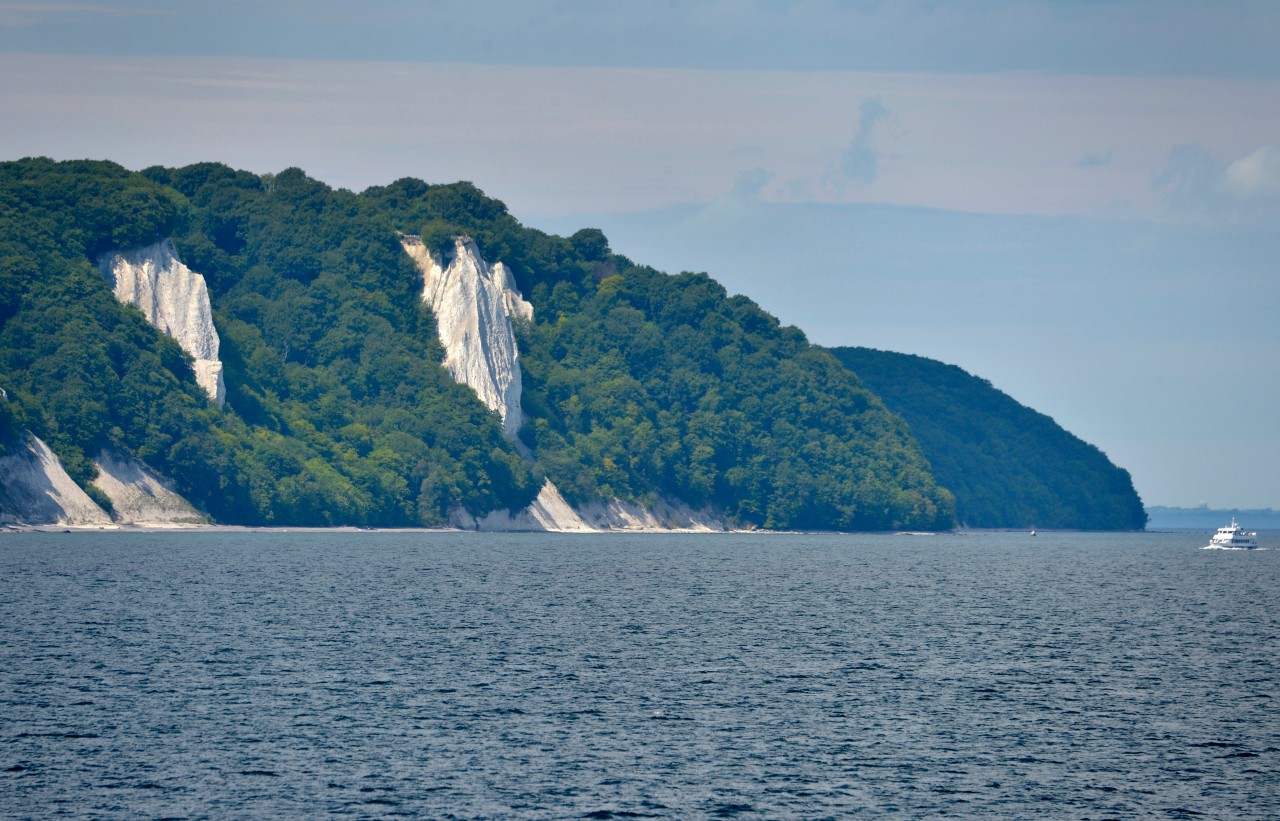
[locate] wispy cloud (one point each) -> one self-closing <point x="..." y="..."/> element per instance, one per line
<point x="566" y="140"/>
<point x="749" y="184"/>
<point x="1188" y="176"/>
<point x="1254" y="176"/>
<point x="1095" y="160"/>
<point x="732" y="207"/>
<point x="1147" y="38"/>
<point x="1199" y="184"/>
<point x="861" y="161"/>
<point x="18" y="15"/>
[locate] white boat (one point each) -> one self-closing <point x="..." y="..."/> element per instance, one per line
<point x="1234" y="537"/>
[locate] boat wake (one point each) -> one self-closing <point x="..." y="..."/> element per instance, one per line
<point x="1240" y="549"/>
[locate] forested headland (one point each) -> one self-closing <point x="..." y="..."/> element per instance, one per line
<point x="1008" y="465"/>
<point x="638" y="385"/>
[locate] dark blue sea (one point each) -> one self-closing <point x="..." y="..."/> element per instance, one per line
<point x="448" y="675"/>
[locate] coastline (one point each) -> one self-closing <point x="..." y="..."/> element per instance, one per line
<point x="164" y="527"/>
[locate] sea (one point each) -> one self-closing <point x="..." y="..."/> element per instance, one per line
<point x="460" y="675"/>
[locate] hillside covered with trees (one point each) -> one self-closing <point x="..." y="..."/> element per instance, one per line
<point x="637" y="385"/>
<point x="337" y="412"/>
<point x="1008" y="465"/>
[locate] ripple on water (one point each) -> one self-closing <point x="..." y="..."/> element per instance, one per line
<point x="543" y="676"/>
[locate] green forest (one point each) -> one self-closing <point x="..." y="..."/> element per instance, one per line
<point x="637" y="384"/>
<point x="1007" y="465"/>
<point x="337" y="412"/>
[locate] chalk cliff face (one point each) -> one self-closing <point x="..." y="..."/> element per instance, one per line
<point x="175" y="299"/>
<point x="139" y="495"/>
<point x="35" y="490"/>
<point x="474" y="303"/>
<point x="665" y="515"/>
<point x="549" y="511"/>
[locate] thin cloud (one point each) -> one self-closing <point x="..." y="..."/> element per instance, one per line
<point x="861" y="162"/>
<point x="1188" y="177"/>
<point x="732" y="207"/>
<point x="18" y="15"/>
<point x="749" y="184"/>
<point x="1254" y="176"/>
<point x="1095" y="160"/>
<point x="1197" y="183"/>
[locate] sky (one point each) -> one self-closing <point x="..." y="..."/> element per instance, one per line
<point x="1076" y="200"/>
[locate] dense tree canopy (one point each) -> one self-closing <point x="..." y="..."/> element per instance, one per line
<point x="659" y="383"/>
<point x="1007" y="465"/>
<point x="338" y="411"/>
<point x="637" y="385"/>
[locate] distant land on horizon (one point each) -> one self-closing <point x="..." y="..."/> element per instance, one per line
<point x="1174" y="518"/>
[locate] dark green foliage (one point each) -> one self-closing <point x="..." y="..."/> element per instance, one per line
<point x="12" y="422"/>
<point x="540" y="262"/>
<point x="662" y="384"/>
<point x="333" y="359"/>
<point x="638" y="385"/>
<point x="85" y="371"/>
<point x="83" y="208"/>
<point x="338" y="410"/>
<point x="1007" y="465"/>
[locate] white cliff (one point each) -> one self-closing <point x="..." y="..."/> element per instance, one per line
<point x="474" y="304"/>
<point x="139" y="495"/>
<point x="664" y="515"/>
<point x="36" y="490"/>
<point x="174" y="299"/>
<point x="549" y="511"/>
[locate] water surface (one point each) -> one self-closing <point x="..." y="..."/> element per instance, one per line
<point x="207" y="675"/>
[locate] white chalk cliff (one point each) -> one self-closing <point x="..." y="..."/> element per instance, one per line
<point x="174" y="299"/>
<point x="36" y="490"/>
<point x="474" y="303"/>
<point x="139" y="495"/>
<point x="549" y="511"/>
<point x="665" y="515"/>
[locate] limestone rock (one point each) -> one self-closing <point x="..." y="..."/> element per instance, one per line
<point x="139" y="495"/>
<point x="474" y="303"/>
<point x="664" y="515"/>
<point x="549" y="511"/>
<point x="175" y="300"/>
<point x="35" y="490"/>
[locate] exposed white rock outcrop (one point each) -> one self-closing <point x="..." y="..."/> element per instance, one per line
<point x="139" y="495"/>
<point x="35" y="490"/>
<point x="549" y="511"/>
<point x="664" y="515"/>
<point x="474" y="303"/>
<point x="173" y="298"/>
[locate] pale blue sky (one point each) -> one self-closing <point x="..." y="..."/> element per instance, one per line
<point x="1075" y="200"/>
